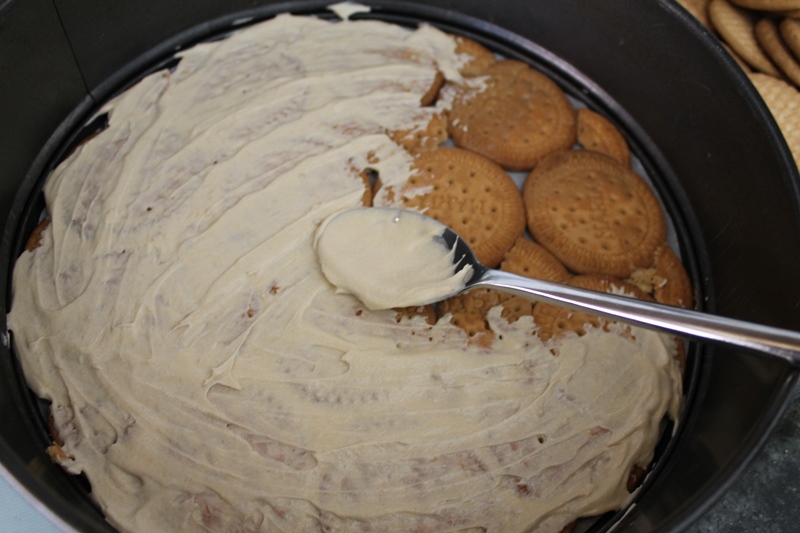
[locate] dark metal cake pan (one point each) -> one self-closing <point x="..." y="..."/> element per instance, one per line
<point x="693" y="119"/>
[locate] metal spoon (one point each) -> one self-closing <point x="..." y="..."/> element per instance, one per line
<point x="768" y="340"/>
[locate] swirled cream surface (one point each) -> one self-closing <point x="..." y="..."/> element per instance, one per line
<point x="389" y="257"/>
<point x="205" y="376"/>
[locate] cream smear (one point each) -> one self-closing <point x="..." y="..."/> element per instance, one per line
<point x="345" y="10"/>
<point x="205" y="376"/>
<point x="388" y="257"/>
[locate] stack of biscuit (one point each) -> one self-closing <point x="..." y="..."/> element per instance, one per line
<point x="764" y="38"/>
<point x="583" y="216"/>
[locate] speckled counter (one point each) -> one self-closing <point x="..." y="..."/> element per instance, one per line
<point x="765" y="497"/>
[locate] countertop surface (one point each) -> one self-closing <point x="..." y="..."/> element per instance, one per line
<point x="764" y="498"/>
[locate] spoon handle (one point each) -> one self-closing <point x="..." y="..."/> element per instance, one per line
<point x="775" y="341"/>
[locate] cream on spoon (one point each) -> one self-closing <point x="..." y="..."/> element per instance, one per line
<point x="389" y="257"/>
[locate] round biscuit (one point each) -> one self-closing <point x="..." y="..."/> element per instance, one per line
<point x="433" y="91"/>
<point x="593" y="214"/>
<point x="635" y="477"/>
<point x="526" y="258"/>
<point x="479" y="57"/>
<point x="737" y="27"/>
<point x="468" y="311"/>
<point x="553" y="321"/>
<point x="770" y="39"/>
<point x="35" y="238"/>
<point x="768" y="5"/>
<point x="431" y="132"/>
<point x="698" y="9"/>
<point x="470" y="194"/>
<point x="783" y="101"/>
<point x="428" y="312"/>
<point x="425" y="85"/>
<point x="516" y="307"/>
<point x="680" y="354"/>
<point x="666" y="279"/>
<point x="598" y="134"/>
<point x="790" y="31"/>
<point x="739" y="61"/>
<point x="366" y="198"/>
<point x="521" y="116"/>
<point x="676" y="288"/>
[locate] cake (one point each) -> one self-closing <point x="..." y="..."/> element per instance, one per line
<point x="203" y="374"/>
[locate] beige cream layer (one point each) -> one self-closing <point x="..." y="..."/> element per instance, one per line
<point x="205" y="376"/>
<point x="388" y="258"/>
